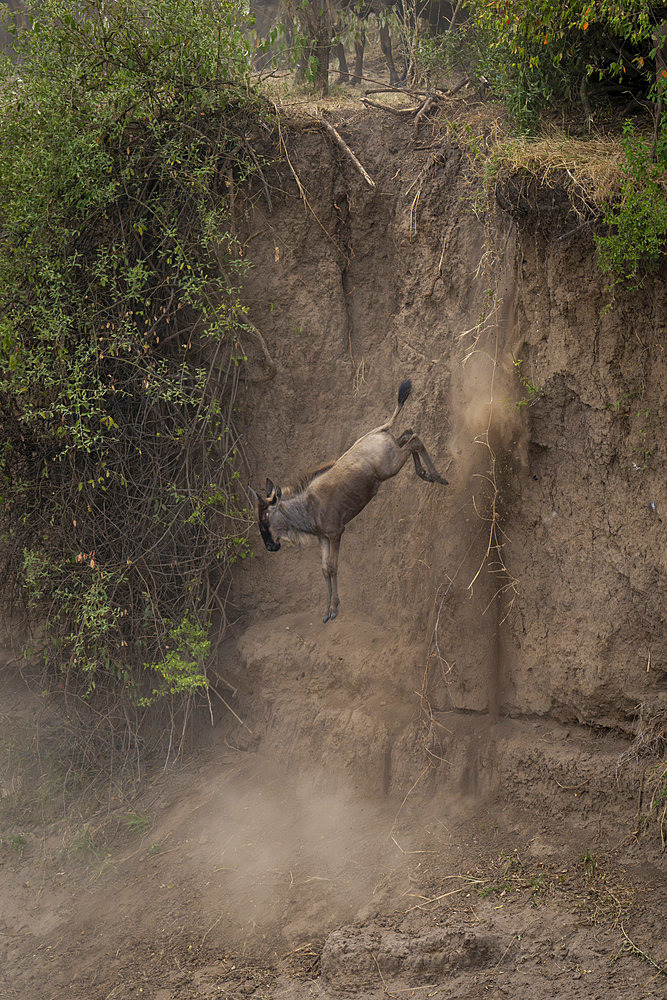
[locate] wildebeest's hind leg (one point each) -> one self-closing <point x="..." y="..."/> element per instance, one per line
<point x="419" y="453"/>
<point x="385" y="45"/>
<point x="343" y="72"/>
<point x="359" y="46"/>
<point x="329" y="548"/>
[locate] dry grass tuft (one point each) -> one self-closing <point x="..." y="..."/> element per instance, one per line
<point x="593" y="166"/>
<point x="648" y="754"/>
<point x="650" y="738"/>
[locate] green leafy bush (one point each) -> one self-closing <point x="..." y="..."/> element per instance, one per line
<point x="639" y="216"/>
<point x="125" y="128"/>
<point x="535" y="52"/>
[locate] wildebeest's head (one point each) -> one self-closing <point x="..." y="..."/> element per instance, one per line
<point x="264" y="508"/>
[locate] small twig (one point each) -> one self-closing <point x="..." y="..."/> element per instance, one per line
<point x="271" y="365"/>
<point x="410" y="852"/>
<point x="407" y="795"/>
<point x="571" y="788"/>
<point x="452" y="892"/>
<point x="438" y="276"/>
<point x="385" y="107"/>
<point x="417" y="94"/>
<point x="384" y="982"/>
<point x="436" y="899"/>
<point x="497" y="965"/>
<point x="346" y="149"/>
<point x="201" y="943"/>
<point x="229" y="707"/>
<point x="632" y="947"/>
<point x="452" y="20"/>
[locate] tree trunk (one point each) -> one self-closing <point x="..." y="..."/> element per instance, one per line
<point x="321" y="51"/>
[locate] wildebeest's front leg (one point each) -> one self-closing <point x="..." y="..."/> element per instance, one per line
<point x="330" y="548"/>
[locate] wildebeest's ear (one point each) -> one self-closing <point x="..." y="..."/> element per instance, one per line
<point x="273" y="493"/>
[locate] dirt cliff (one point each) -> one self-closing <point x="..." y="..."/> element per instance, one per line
<point x="535" y="385"/>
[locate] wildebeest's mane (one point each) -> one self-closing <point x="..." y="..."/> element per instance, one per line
<point x="293" y="489"/>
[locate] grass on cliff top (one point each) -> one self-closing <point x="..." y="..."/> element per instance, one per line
<point x="593" y="164"/>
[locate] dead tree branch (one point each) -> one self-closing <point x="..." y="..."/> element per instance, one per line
<point x="346" y="149"/>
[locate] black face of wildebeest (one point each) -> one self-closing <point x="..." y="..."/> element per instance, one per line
<point x="263" y="514"/>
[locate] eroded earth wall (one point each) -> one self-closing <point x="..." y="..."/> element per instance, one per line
<point x="534" y="583"/>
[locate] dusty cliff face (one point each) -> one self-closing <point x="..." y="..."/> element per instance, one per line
<point x="553" y="608"/>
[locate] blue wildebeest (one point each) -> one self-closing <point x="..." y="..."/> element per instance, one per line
<point x="439" y="15"/>
<point x="324" y="501"/>
<point x="320" y="21"/>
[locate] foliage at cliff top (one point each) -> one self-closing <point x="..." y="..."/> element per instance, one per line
<point x="534" y="53"/>
<point x="124" y="128"/>
<point x="542" y="55"/>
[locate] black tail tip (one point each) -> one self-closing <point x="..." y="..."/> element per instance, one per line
<point x="404" y="390"/>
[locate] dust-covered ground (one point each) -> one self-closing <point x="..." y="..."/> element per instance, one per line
<point x="436" y="795"/>
<point x="247" y="872"/>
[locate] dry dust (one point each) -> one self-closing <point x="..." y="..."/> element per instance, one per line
<point x="285" y="872"/>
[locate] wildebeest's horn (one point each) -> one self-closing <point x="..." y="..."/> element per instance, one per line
<point x="270" y="490"/>
<point x="256" y="498"/>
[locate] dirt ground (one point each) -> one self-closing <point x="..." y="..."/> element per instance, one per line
<point x="436" y="794"/>
<point x="516" y="867"/>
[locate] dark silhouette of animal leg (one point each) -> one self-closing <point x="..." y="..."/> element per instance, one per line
<point x="343" y="72"/>
<point x="333" y="561"/>
<point x="359" y="46"/>
<point x="385" y="45"/>
<point x="420" y="455"/>
<point x="330" y="548"/>
<point x="419" y="468"/>
<point x="324" y="549"/>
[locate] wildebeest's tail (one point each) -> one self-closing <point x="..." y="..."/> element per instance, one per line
<point x="404" y="390"/>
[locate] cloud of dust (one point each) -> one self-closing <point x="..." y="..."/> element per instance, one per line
<point x="490" y="442"/>
<point x="486" y="422"/>
<point x="287" y="859"/>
